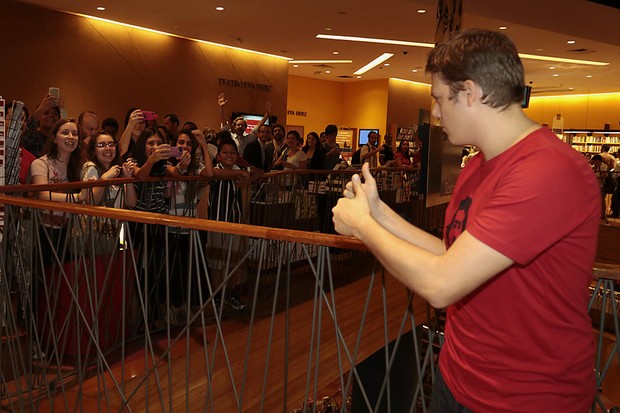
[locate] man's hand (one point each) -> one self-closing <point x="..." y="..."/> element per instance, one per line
<point x="369" y="187"/>
<point x="355" y="207"/>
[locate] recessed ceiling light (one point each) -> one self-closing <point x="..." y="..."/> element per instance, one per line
<point x="571" y="42"/>
<point x="335" y="52"/>
<point x="295" y="65"/>
<point x="503" y="27"/>
<point x="328" y="29"/>
<point x="555" y="75"/>
<point x="571" y="88"/>
<point x="101" y="8"/>
<point x="551" y="67"/>
<point x="219" y="8"/>
<point x="415" y="70"/>
<point x="421" y="11"/>
<point x="539" y="49"/>
<point x="386" y="64"/>
<point x="359" y="77"/>
<point x="589" y="76"/>
<point x="328" y="71"/>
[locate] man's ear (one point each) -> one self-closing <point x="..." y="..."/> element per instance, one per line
<point x="472" y="91"/>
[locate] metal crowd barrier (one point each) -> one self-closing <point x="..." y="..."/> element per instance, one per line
<point x="106" y="309"/>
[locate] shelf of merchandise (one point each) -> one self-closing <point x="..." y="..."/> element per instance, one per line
<point x="591" y="140"/>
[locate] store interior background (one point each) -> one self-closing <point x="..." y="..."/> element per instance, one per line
<point x="109" y="68"/>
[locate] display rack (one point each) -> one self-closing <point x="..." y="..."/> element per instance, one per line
<point x="591" y="140"/>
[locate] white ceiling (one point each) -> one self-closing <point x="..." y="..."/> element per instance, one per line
<point x="289" y="28"/>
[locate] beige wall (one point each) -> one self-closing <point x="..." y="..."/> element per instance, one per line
<point x="365" y="105"/>
<point x="405" y="99"/>
<point x="109" y="68"/>
<point x="582" y="111"/>
<point x="320" y="101"/>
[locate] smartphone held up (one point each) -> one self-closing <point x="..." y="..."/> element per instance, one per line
<point x="176" y="151"/>
<point x="149" y="115"/>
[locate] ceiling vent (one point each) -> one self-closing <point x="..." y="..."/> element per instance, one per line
<point x="345" y="77"/>
<point x="318" y="72"/>
<point x="581" y="51"/>
<point x="323" y="66"/>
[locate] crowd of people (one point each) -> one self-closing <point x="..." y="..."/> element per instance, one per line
<point x="58" y="149"/>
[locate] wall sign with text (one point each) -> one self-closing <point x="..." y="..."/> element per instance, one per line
<point x="296" y="113"/>
<point x="245" y="85"/>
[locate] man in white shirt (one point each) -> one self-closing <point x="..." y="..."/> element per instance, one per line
<point x="369" y="151"/>
<point x="239" y="125"/>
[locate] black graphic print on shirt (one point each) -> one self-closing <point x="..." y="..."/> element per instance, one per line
<point x="459" y="221"/>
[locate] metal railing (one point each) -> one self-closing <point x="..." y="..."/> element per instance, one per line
<point x="117" y="310"/>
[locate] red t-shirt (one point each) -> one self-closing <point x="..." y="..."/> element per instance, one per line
<point x="523" y="342"/>
<point x="25" y="161"/>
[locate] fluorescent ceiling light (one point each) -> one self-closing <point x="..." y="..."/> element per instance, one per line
<point x="562" y="60"/>
<point x="431" y="45"/>
<point x="588" y="95"/>
<point x="374" y="40"/>
<point x="319" y="61"/>
<point x="374" y="63"/>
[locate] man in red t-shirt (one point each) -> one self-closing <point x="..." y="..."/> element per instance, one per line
<point x="514" y="267"/>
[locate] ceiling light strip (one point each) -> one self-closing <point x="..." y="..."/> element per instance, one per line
<point x="579" y="95"/>
<point x="562" y="60"/>
<point x="431" y="45"/>
<point x="374" y="40"/>
<point x="411" y="81"/>
<point x="319" y="61"/>
<point x="374" y="63"/>
<point x="132" y="26"/>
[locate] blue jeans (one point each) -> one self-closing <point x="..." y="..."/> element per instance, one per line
<point x="442" y="400"/>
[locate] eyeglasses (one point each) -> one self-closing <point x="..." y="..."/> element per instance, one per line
<point x="110" y="144"/>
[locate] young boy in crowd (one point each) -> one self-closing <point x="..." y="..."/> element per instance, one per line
<point x="225" y="205"/>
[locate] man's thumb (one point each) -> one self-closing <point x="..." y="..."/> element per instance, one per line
<point x="357" y="185"/>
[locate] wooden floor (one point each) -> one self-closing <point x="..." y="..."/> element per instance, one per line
<point x="194" y="375"/>
<point x="270" y="381"/>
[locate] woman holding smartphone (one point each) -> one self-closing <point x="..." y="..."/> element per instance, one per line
<point x="183" y="197"/>
<point x="105" y="162"/>
<point x="152" y="157"/>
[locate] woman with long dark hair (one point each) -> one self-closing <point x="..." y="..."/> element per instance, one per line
<point x="105" y="162"/>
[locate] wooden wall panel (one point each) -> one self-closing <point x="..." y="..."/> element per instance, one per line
<point x="109" y="68"/>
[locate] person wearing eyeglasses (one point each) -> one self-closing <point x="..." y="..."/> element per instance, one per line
<point x="105" y="162"/>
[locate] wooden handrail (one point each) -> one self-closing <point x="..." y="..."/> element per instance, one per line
<point x="607" y="271"/>
<point x="315" y="238"/>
